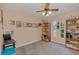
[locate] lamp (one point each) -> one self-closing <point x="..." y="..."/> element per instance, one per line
<point x="46" y="13"/>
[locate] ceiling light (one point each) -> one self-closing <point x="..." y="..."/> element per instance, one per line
<point x="48" y="13"/>
<point x="43" y="13"/>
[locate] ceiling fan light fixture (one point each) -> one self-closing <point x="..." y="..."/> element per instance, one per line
<point x="43" y="13"/>
<point x="48" y="13"/>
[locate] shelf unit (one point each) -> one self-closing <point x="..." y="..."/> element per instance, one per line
<point x="45" y="31"/>
<point x="72" y="27"/>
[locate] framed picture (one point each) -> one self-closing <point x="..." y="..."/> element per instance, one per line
<point x="29" y="24"/>
<point x="25" y="24"/>
<point x="19" y="24"/>
<point x="35" y="25"/>
<point x="11" y="22"/>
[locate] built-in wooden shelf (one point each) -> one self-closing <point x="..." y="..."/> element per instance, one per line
<point x="72" y="26"/>
<point x="45" y="31"/>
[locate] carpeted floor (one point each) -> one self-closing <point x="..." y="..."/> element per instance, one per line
<point x="45" y="48"/>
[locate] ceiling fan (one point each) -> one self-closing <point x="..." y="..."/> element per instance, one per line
<point x="47" y="11"/>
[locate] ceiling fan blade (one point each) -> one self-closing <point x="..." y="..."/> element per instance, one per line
<point x="53" y="9"/>
<point x="47" y="6"/>
<point x="40" y="11"/>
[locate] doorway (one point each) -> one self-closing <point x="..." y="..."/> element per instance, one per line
<point x="58" y="32"/>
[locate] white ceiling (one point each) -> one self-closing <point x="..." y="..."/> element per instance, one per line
<point x="31" y="8"/>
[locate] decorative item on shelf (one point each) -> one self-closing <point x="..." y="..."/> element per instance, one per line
<point x="77" y="20"/>
<point x="19" y="24"/>
<point x="68" y="22"/>
<point x="70" y="17"/>
<point x="74" y="21"/>
<point x="77" y="17"/>
<point x="77" y="27"/>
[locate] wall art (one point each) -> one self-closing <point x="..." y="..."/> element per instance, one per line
<point x="29" y="24"/>
<point x="11" y="22"/>
<point x="19" y="24"/>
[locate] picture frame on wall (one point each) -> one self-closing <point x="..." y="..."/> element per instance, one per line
<point x="11" y="22"/>
<point x="25" y="24"/>
<point x="35" y="25"/>
<point x="19" y="24"/>
<point x="29" y="24"/>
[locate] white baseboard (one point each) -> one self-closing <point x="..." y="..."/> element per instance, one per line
<point x="59" y="43"/>
<point x="17" y="46"/>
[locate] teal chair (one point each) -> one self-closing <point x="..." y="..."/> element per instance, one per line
<point x="8" y="51"/>
<point x="8" y="41"/>
<point x="8" y="45"/>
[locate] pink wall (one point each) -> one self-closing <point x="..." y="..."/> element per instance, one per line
<point x="23" y="35"/>
<point x="0" y="32"/>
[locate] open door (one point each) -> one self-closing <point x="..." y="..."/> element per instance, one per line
<point x="58" y="32"/>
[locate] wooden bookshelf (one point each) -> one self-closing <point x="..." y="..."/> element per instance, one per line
<point x="45" y="31"/>
<point x="72" y="27"/>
